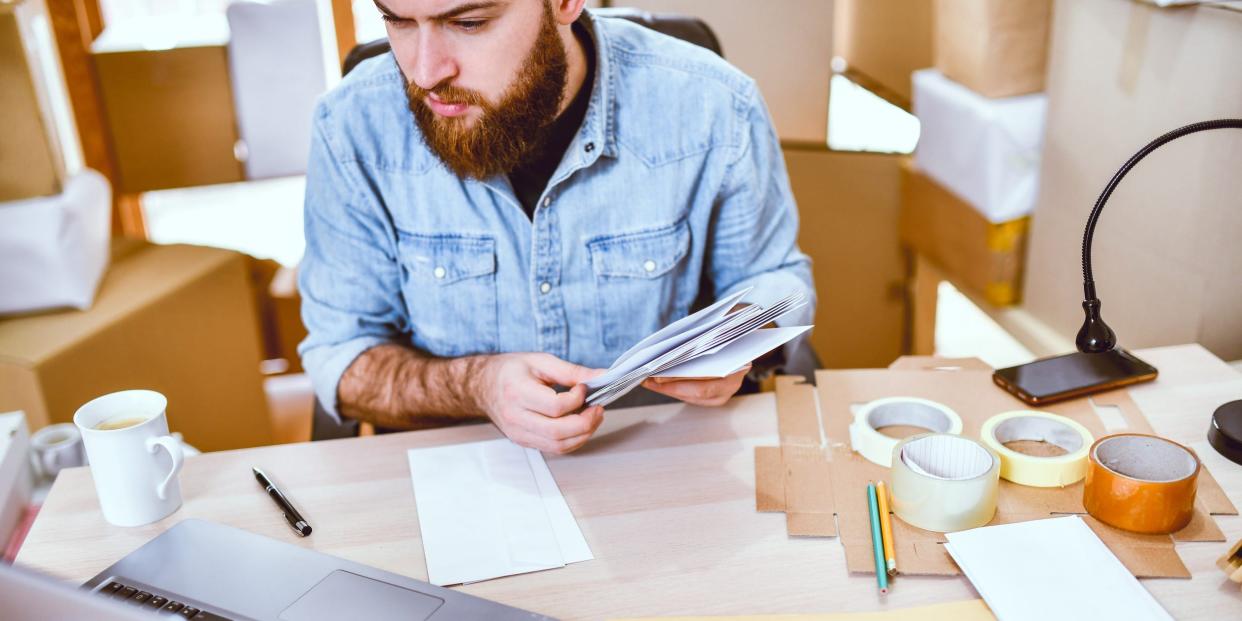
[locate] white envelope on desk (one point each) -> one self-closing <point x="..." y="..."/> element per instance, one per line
<point x="491" y="509"/>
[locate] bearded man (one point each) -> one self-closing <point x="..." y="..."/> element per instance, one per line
<point x="524" y="193"/>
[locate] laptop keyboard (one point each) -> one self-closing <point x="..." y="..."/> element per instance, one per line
<point x="166" y="606"/>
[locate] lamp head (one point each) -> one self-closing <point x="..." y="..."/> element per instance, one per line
<point x="1094" y="337"/>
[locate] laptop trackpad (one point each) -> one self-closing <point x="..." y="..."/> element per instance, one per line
<point x="343" y="595"/>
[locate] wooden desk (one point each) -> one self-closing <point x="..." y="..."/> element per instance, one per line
<point x="664" y="495"/>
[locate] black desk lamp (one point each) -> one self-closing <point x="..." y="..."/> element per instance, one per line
<point x="1095" y="336"/>
<point x="1099" y="364"/>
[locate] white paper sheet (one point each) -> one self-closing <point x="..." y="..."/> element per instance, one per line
<point x="490" y="509"/>
<point x="1050" y="569"/>
<point x="735" y="355"/>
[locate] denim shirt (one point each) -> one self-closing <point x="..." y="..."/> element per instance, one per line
<point x="672" y="194"/>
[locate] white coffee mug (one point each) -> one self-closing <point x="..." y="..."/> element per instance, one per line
<point x="55" y="448"/>
<point x="136" y="480"/>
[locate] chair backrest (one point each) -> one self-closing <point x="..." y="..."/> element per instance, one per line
<point x="277" y="69"/>
<point x="689" y="29"/>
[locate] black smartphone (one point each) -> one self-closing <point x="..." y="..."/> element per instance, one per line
<point x="1073" y="375"/>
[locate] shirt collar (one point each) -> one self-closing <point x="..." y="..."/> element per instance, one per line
<point x="599" y="125"/>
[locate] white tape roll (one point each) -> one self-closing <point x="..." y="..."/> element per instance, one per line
<point x="1056" y="471"/>
<point x="911" y="411"/>
<point x="944" y="483"/>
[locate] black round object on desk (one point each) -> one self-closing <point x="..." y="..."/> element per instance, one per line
<point x="1225" y="434"/>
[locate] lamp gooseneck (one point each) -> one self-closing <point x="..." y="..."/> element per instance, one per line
<point x="1095" y="336"/>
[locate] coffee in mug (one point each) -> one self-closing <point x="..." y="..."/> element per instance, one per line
<point x="133" y="460"/>
<point x="120" y="422"/>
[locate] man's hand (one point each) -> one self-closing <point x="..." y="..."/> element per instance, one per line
<point x="698" y="391"/>
<point x="515" y="390"/>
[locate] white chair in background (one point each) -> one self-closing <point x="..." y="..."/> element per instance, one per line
<point x="277" y="69"/>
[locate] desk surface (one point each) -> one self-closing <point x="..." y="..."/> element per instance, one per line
<point x="664" y="496"/>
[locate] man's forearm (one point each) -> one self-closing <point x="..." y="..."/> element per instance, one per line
<point x="399" y="387"/>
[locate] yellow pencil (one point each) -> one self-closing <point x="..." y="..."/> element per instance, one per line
<point x="886" y="527"/>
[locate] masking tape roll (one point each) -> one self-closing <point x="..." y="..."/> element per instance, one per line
<point x="1141" y="483"/>
<point x="1056" y="471"/>
<point x="912" y="411"/>
<point x="943" y="482"/>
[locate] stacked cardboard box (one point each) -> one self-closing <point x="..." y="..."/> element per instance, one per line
<point x="176" y="319"/>
<point x="882" y="42"/>
<point x="986" y="257"/>
<point x="786" y="47"/>
<point x="847" y="206"/>
<point x="31" y="159"/>
<point x="169" y="109"/>
<point x="997" y="48"/>
<point x="976" y="173"/>
<point x="1166" y="255"/>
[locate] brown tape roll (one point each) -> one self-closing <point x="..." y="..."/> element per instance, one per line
<point x="1141" y="483"/>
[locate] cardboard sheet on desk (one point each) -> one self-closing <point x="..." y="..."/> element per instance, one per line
<point x="968" y="610"/>
<point x="782" y="473"/>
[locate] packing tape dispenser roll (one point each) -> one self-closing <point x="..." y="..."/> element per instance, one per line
<point x="1054" y="471"/>
<point x="911" y="411"/>
<point x="943" y="482"/>
<point x="1141" y="483"/>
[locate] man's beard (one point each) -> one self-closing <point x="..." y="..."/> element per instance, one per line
<point x="506" y="133"/>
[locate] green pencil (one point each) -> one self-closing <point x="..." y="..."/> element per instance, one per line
<point x="877" y="541"/>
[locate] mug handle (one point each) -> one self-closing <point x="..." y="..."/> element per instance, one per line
<point x="173" y="447"/>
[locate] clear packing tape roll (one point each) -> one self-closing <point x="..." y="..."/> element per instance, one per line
<point x="876" y="447"/>
<point x="943" y="482"/>
<point x="1055" y="471"/>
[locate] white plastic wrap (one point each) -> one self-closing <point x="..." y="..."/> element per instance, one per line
<point x="54" y="249"/>
<point x="986" y="151"/>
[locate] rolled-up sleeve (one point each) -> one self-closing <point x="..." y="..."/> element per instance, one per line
<point x="755" y="241"/>
<point x="349" y="278"/>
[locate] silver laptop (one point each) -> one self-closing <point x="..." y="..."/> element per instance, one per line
<point x="208" y="571"/>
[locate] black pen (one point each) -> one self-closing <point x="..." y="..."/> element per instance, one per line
<point x="291" y="515"/>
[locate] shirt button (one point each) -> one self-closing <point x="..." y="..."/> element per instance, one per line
<point x="547" y="200"/>
<point x="545" y="287"/>
<point x="649" y="265"/>
<point x="590" y="146"/>
<point x="439" y="272"/>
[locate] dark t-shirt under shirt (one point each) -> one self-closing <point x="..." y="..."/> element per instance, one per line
<point x="531" y="177"/>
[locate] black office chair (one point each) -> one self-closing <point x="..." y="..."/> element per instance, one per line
<point x="690" y="29"/>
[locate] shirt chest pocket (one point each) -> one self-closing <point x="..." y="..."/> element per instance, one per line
<point x="638" y="282"/>
<point x="450" y="292"/>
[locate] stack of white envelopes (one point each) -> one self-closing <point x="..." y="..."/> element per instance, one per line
<point x="710" y="343"/>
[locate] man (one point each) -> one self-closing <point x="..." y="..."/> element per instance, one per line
<point x="527" y="177"/>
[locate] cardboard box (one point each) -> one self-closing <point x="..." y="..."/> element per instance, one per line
<point x="280" y="314"/>
<point x="817" y="480"/>
<point x="988" y="258"/>
<point x="786" y="47"/>
<point x="30" y="160"/>
<point x="847" y="206"/>
<point x="997" y="48"/>
<point x="170" y="114"/>
<point x="54" y="250"/>
<point x="176" y="319"/>
<point x="986" y="151"/>
<point x="1166" y="255"/>
<point x="883" y="42"/>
